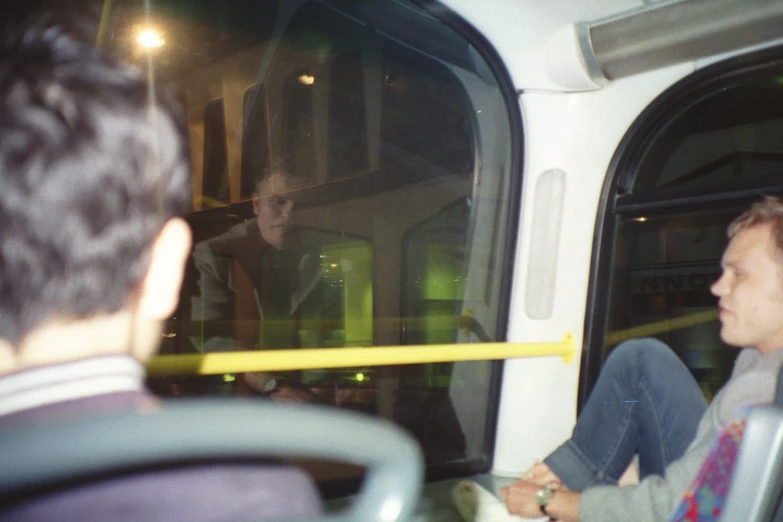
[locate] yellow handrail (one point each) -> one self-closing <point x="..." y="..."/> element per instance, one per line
<point x="308" y="358"/>
<point x="666" y="325"/>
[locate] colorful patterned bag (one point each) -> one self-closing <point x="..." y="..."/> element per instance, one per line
<point x="704" y="500"/>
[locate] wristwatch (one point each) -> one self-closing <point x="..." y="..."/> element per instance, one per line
<point x="544" y="497"/>
<point x="269" y="386"/>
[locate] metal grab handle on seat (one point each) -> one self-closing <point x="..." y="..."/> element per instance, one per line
<point x="757" y="482"/>
<point x="208" y="428"/>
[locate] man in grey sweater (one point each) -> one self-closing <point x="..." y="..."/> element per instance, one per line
<point x="633" y="409"/>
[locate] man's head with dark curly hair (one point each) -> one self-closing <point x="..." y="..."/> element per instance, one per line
<point x="94" y="170"/>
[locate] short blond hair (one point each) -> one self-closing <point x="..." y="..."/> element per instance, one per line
<point x="767" y="211"/>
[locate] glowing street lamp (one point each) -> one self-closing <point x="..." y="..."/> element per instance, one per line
<point x="306" y="79"/>
<point x="150" y="39"/>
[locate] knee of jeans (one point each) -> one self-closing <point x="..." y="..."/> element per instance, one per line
<point x="646" y="352"/>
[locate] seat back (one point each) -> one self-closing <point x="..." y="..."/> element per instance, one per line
<point x="757" y="484"/>
<point x="36" y="456"/>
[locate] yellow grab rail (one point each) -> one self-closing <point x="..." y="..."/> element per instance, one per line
<point x="666" y="325"/>
<point x="308" y="358"/>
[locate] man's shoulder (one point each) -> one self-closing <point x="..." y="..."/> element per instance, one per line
<point x="204" y="492"/>
<point x="752" y="382"/>
<point x="750" y="360"/>
<point x="211" y="490"/>
<point x="238" y="238"/>
<point x="72" y="389"/>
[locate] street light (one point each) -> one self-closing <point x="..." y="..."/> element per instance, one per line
<point x="150" y="39"/>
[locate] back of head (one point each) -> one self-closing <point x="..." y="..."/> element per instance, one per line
<point x="91" y="167"/>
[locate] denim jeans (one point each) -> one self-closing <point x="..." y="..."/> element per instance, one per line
<point x="645" y="401"/>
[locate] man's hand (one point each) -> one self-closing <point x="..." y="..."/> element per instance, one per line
<point x="540" y="474"/>
<point x="285" y="393"/>
<point x="262" y="382"/>
<point x="258" y="381"/>
<point x="520" y="499"/>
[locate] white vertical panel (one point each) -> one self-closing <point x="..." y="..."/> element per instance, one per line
<point x="545" y="238"/>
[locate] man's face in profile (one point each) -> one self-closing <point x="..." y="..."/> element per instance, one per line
<point x="274" y="207"/>
<point x="750" y="291"/>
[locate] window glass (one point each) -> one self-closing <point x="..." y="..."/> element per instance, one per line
<point x="421" y="113"/>
<point x="356" y="212"/>
<point x="724" y="140"/>
<point x="434" y="281"/>
<point x="348" y="147"/>
<point x="255" y="140"/>
<point x="663" y="269"/>
<point x="298" y="126"/>
<point x="685" y="184"/>
<point x="215" y="155"/>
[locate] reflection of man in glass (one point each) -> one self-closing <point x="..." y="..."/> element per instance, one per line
<point x="273" y="208"/>
<point x="252" y="279"/>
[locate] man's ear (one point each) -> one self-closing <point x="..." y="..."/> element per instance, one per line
<point x="256" y="203"/>
<point x="162" y="282"/>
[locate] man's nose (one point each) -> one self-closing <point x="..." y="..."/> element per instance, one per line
<point x="718" y="288"/>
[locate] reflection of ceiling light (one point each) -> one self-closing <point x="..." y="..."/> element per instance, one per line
<point x="640" y="219"/>
<point x="150" y="38"/>
<point x="307" y="79"/>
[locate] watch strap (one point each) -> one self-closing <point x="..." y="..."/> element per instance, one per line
<point x="544" y="497"/>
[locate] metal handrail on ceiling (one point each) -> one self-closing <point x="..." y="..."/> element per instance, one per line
<point x="674" y="32"/>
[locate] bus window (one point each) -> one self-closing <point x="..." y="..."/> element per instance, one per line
<point x="215" y="155"/>
<point x="434" y="279"/>
<point x="727" y="140"/>
<point x="299" y="124"/>
<point x="369" y="160"/>
<point x="418" y="117"/>
<point x="348" y="152"/>
<point x="255" y="139"/>
<point x="693" y="165"/>
<point x="664" y="267"/>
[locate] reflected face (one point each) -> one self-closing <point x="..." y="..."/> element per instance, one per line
<point x="274" y="218"/>
<point x="274" y="207"/>
<point x="750" y="291"/>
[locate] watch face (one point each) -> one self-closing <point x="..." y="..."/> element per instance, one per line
<point x="543" y="496"/>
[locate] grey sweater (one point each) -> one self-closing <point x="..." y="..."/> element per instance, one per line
<point x="752" y="381"/>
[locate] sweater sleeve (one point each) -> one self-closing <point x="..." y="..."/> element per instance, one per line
<point x="654" y="499"/>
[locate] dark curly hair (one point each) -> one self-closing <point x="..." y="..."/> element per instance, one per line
<point x="91" y="167"/>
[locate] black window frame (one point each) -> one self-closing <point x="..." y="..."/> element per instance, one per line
<point x="510" y="96"/>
